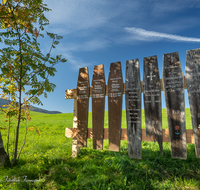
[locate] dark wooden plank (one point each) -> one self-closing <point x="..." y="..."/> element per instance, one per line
<point x="115" y="94"/>
<point x="98" y="106"/>
<point x="82" y="105"/>
<point x="133" y="109"/>
<point x="175" y="104"/>
<point x="192" y="75"/>
<point x="152" y="99"/>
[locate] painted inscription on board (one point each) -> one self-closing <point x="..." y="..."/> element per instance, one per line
<point x="98" y="106"/>
<point x="82" y="105"/>
<point x="152" y="99"/>
<point x="175" y="104"/>
<point x="192" y="75"/>
<point x="115" y="94"/>
<point x="133" y="109"/>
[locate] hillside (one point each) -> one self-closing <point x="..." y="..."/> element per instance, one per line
<point x="33" y="108"/>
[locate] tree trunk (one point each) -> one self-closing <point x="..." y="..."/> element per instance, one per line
<point x="4" y="158"/>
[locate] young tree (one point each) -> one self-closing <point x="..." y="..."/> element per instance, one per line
<point x="21" y="61"/>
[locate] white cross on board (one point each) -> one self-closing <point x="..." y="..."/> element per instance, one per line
<point x="115" y="72"/>
<point x="151" y="75"/>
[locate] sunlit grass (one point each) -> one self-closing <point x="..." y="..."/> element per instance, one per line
<point x="47" y="157"/>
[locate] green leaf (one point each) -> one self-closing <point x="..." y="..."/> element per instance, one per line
<point x="51" y="35"/>
<point x="56" y="42"/>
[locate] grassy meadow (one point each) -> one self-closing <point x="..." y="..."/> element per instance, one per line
<point x="46" y="160"/>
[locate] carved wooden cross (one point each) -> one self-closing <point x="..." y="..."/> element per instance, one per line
<point x="151" y="72"/>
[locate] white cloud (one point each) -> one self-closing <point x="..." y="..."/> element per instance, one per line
<point x="142" y="34"/>
<point x="91" y="45"/>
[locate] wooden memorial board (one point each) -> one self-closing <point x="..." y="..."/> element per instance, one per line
<point x="192" y="75"/>
<point x="115" y="95"/>
<point x="152" y="99"/>
<point x="82" y="105"/>
<point x="98" y="106"/>
<point x="133" y="109"/>
<point x="175" y="104"/>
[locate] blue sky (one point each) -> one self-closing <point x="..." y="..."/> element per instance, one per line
<point x="103" y="32"/>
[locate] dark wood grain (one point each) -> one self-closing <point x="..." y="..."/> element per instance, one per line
<point x="152" y="99"/>
<point x="175" y="104"/>
<point x="98" y="106"/>
<point x="133" y="109"/>
<point x="192" y="75"/>
<point x="82" y="105"/>
<point x="115" y="94"/>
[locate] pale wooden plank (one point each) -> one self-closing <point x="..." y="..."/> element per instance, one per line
<point x="75" y="147"/>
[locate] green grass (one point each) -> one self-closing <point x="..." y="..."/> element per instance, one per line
<point x="47" y="157"/>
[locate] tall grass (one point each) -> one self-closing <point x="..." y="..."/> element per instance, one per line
<point x="46" y="158"/>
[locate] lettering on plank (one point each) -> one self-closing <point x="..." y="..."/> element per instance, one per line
<point x="133" y="108"/>
<point x="98" y="106"/>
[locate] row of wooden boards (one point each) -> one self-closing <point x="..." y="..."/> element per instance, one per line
<point x="174" y="99"/>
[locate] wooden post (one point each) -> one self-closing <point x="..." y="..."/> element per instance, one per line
<point x="115" y="95"/>
<point x="75" y="147"/>
<point x="133" y="109"/>
<point x="175" y="104"/>
<point x="152" y="99"/>
<point x="192" y="75"/>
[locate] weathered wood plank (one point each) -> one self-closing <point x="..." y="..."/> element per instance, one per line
<point x="82" y="105"/>
<point x="75" y="147"/>
<point x="115" y="90"/>
<point x="152" y="99"/>
<point x="175" y="104"/>
<point x="192" y="75"/>
<point x="71" y="133"/>
<point x="98" y="106"/>
<point x="133" y="109"/>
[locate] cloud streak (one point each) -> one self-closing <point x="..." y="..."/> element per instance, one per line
<point x="142" y="34"/>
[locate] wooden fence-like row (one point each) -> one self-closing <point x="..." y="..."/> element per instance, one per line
<point x="172" y="83"/>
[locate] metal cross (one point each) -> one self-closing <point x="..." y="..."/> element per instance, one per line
<point x="98" y="73"/>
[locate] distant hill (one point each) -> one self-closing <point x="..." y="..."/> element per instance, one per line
<point x="33" y="108"/>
